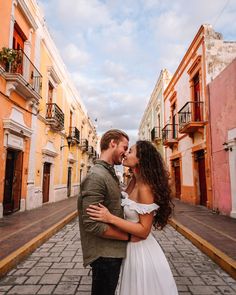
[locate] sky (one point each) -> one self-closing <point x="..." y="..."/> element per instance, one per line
<point x="114" y="50"/>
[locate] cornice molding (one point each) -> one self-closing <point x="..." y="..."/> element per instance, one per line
<point x="15" y="124"/>
<point x="14" y="127"/>
<point x="28" y="14"/>
<point x="49" y="150"/>
<point x="53" y="74"/>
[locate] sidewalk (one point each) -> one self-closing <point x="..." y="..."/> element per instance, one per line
<point x="22" y="232"/>
<point x="213" y="234"/>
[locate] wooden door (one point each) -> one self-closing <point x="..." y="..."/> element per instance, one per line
<point x="69" y="182"/>
<point x="50" y="101"/>
<point x="18" y="41"/>
<point x="202" y="177"/>
<point x="46" y="181"/>
<point x="13" y="182"/>
<point x="71" y="122"/>
<point x="176" y="166"/>
<point x="159" y="125"/>
<point x="197" y="106"/>
<point x="50" y="93"/>
<point x="9" y="173"/>
<point x="80" y="175"/>
<point x="18" y="44"/>
<point x="174" y="121"/>
<point x="17" y="181"/>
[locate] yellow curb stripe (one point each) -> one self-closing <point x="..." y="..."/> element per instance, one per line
<point x="15" y="257"/>
<point x="219" y="257"/>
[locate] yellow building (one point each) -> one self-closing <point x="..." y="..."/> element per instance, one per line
<point x="47" y="140"/>
<point x="153" y="117"/>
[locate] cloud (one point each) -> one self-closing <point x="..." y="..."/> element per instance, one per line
<point x="112" y="109"/>
<point x="114" y="70"/>
<point x="83" y="14"/>
<point x="75" y="57"/>
<point x="115" y="51"/>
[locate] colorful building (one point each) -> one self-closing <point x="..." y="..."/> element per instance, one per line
<point x="47" y="141"/>
<point x="153" y="117"/>
<point x="187" y="134"/>
<point x="222" y="119"/>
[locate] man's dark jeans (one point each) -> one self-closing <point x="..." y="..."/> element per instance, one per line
<point x="105" y="275"/>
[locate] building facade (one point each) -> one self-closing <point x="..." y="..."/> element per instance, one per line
<point x="47" y="141"/>
<point x="222" y="106"/>
<point x="153" y="117"/>
<point x="187" y="134"/>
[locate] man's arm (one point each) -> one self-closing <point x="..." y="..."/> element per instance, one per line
<point x="114" y="233"/>
<point x="93" y="191"/>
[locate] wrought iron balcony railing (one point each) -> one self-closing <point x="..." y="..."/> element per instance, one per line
<point x="75" y="134"/>
<point x="18" y="64"/>
<point x="155" y="133"/>
<point x="84" y="145"/>
<point x="90" y="150"/>
<point x="190" y="113"/>
<point x="95" y="154"/>
<point x="169" y="133"/>
<point x="55" y="116"/>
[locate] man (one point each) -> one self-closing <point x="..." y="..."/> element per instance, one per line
<point x="104" y="246"/>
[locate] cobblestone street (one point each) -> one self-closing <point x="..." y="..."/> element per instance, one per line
<point x="56" y="267"/>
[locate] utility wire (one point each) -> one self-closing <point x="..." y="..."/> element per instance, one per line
<point x="219" y="15"/>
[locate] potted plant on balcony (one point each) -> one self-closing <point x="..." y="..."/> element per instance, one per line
<point x="10" y="59"/>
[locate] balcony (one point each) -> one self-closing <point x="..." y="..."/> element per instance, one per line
<point x="21" y="74"/>
<point x="90" y="150"/>
<point x="191" y="117"/>
<point x="55" y="116"/>
<point x="75" y="134"/>
<point x="156" y="134"/>
<point x="84" y="145"/>
<point x="169" y="135"/>
<point x="95" y="155"/>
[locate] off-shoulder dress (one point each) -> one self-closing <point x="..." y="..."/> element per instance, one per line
<point x="145" y="270"/>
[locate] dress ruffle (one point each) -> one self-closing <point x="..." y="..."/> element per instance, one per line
<point x="138" y="207"/>
<point x="145" y="269"/>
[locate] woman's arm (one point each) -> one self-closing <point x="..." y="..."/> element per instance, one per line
<point x="140" y="229"/>
<point x="115" y="233"/>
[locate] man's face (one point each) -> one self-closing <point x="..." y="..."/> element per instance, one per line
<point x="120" y="150"/>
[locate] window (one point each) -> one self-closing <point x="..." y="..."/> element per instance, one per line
<point x="50" y="93"/>
<point x="174" y="120"/>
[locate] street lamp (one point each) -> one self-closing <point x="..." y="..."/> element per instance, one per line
<point x="69" y="141"/>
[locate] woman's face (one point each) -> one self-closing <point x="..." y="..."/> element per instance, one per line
<point x="130" y="159"/>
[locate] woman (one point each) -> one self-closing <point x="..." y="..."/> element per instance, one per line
<point x="146" y="202"/>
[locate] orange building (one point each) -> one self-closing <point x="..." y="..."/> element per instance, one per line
<point x="20" y="92"/>
<point x="47" y="140"/>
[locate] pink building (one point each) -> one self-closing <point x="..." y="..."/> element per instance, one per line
<point x="189" y="123"/>
<point x="222" y="102"/>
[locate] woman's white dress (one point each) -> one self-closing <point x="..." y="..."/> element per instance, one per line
<point x="145" y="270"/>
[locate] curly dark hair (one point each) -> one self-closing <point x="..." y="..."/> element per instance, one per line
<point x="154" y="173"/>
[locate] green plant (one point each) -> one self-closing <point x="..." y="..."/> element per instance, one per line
<point x="10" y="58"/>
<point x="8" y="55"/>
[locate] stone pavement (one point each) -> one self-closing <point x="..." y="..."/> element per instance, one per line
<point x="19" y="228"/>
<point x="56" y="267"/>
<point x="23" y="232"/>
<point x="219" y="230"/>
<point x="212" y="233"/>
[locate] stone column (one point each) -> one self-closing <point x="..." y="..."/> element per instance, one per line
<point x="12" y="22"/>
<point x="30" y="199"/>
